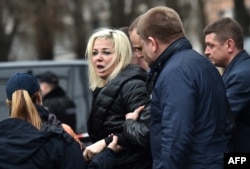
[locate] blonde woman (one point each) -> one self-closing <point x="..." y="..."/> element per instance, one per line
<point x="118" y="88"/>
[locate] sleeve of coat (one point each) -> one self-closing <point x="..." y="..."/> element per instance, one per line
<point x="135" y="95"/>
<point x="73" y="157"/>
<point x="238" y="90"/>
<point x="103" y="160"/>
<point x="138" y="131"/>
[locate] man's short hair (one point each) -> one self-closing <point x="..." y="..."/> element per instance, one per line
<point x="226" y="28"/>
<point x="48" y="77"/>
<point x="162" y="23"/>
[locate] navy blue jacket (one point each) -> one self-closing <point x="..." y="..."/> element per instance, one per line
<point x="236" y="78"/>
<point x="190" y="125"/>
<point x="22" y="146"/>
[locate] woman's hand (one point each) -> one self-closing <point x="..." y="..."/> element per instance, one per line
<point x="93" y="149"/>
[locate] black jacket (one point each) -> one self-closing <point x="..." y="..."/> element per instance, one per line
<point x="22" y="146"/>
<point x="121" y="95"/>
<point x="58" y="103"/>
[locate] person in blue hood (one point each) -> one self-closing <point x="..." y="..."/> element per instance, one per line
<point x="27" y="140"/>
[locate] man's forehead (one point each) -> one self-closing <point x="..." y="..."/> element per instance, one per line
<point x="136" y="40"/>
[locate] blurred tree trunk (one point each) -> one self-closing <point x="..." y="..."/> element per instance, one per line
<point x="133" y="13"/>
<point x="242" y="16"/>
<point x="117" y="14"/>
<point x="193" y="25"/>
<point x="202" y="22"/>
<point x="44" y="35"/>
<point x="6" y="37"/>
<point x="80" y="29"/>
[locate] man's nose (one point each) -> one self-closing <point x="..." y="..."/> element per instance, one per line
<point x="207" y="51"/>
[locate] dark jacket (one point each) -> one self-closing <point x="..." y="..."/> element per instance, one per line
<point x="236" y="78"/>
<point x="58" y="103"/>
<point x="121" y="95"/>
<point x="22" y="146"/>
<point x="190" y="126"/>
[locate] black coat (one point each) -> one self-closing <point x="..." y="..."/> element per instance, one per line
<point x="58" y="103"/>
<point x="121" y="95"/>
<point x="22" y="146"/>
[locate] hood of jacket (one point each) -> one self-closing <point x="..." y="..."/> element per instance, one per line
<point x="19" y="140"/>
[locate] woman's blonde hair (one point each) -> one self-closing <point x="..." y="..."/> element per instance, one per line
<point x="122" y="53"/>
<point x="22" y="106"/>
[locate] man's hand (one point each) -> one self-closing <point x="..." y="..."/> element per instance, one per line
<point x="135" y="114"/>
<point x="114" y="145"/>
<point x="93" y="149"/>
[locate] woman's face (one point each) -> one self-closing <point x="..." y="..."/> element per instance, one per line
<point x="102" y="55"/>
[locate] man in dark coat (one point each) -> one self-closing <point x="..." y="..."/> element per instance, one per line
<point x="190" y="115"/>
<point x="224" y="48"/>
<point x="56" y="100"/>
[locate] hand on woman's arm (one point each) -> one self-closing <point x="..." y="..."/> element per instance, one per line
<point x="136" y="126"/>
<point x="114" y="145"/>
<point x="135" y="114"/>
<point x="93" y="149"/>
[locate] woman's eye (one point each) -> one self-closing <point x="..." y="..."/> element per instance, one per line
<point x="106" y="53"/>
<point x="94" y="53"/>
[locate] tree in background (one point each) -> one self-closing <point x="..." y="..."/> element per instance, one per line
<point x="46" y="22"/>
<point x="9" y="23"/>
<point x="242" y="16"/>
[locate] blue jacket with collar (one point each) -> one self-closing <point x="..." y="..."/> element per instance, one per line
<point x="190" y="115"/>
<point x="236" y="78"/>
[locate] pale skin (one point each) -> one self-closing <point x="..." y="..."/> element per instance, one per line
<point x="45" y="88"/>
<point x="102" y="55"/>
<point x="137" y="50"/>
<point x="152" y="48"/>
<point x="92" y="150"/>
<point x="220" y="53"/>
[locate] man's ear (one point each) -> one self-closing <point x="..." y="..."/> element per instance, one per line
<point x="230" y="45"/>
<point x="153" y="43"/>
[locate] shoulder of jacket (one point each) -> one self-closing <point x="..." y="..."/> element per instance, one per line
<point x="53" y="127"/>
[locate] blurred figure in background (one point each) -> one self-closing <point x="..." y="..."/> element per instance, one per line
<point x="134" y="38"/>
<point x="56" y="100"/>
<point x="137" y="44"/>
<point x="224" y="48"/>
